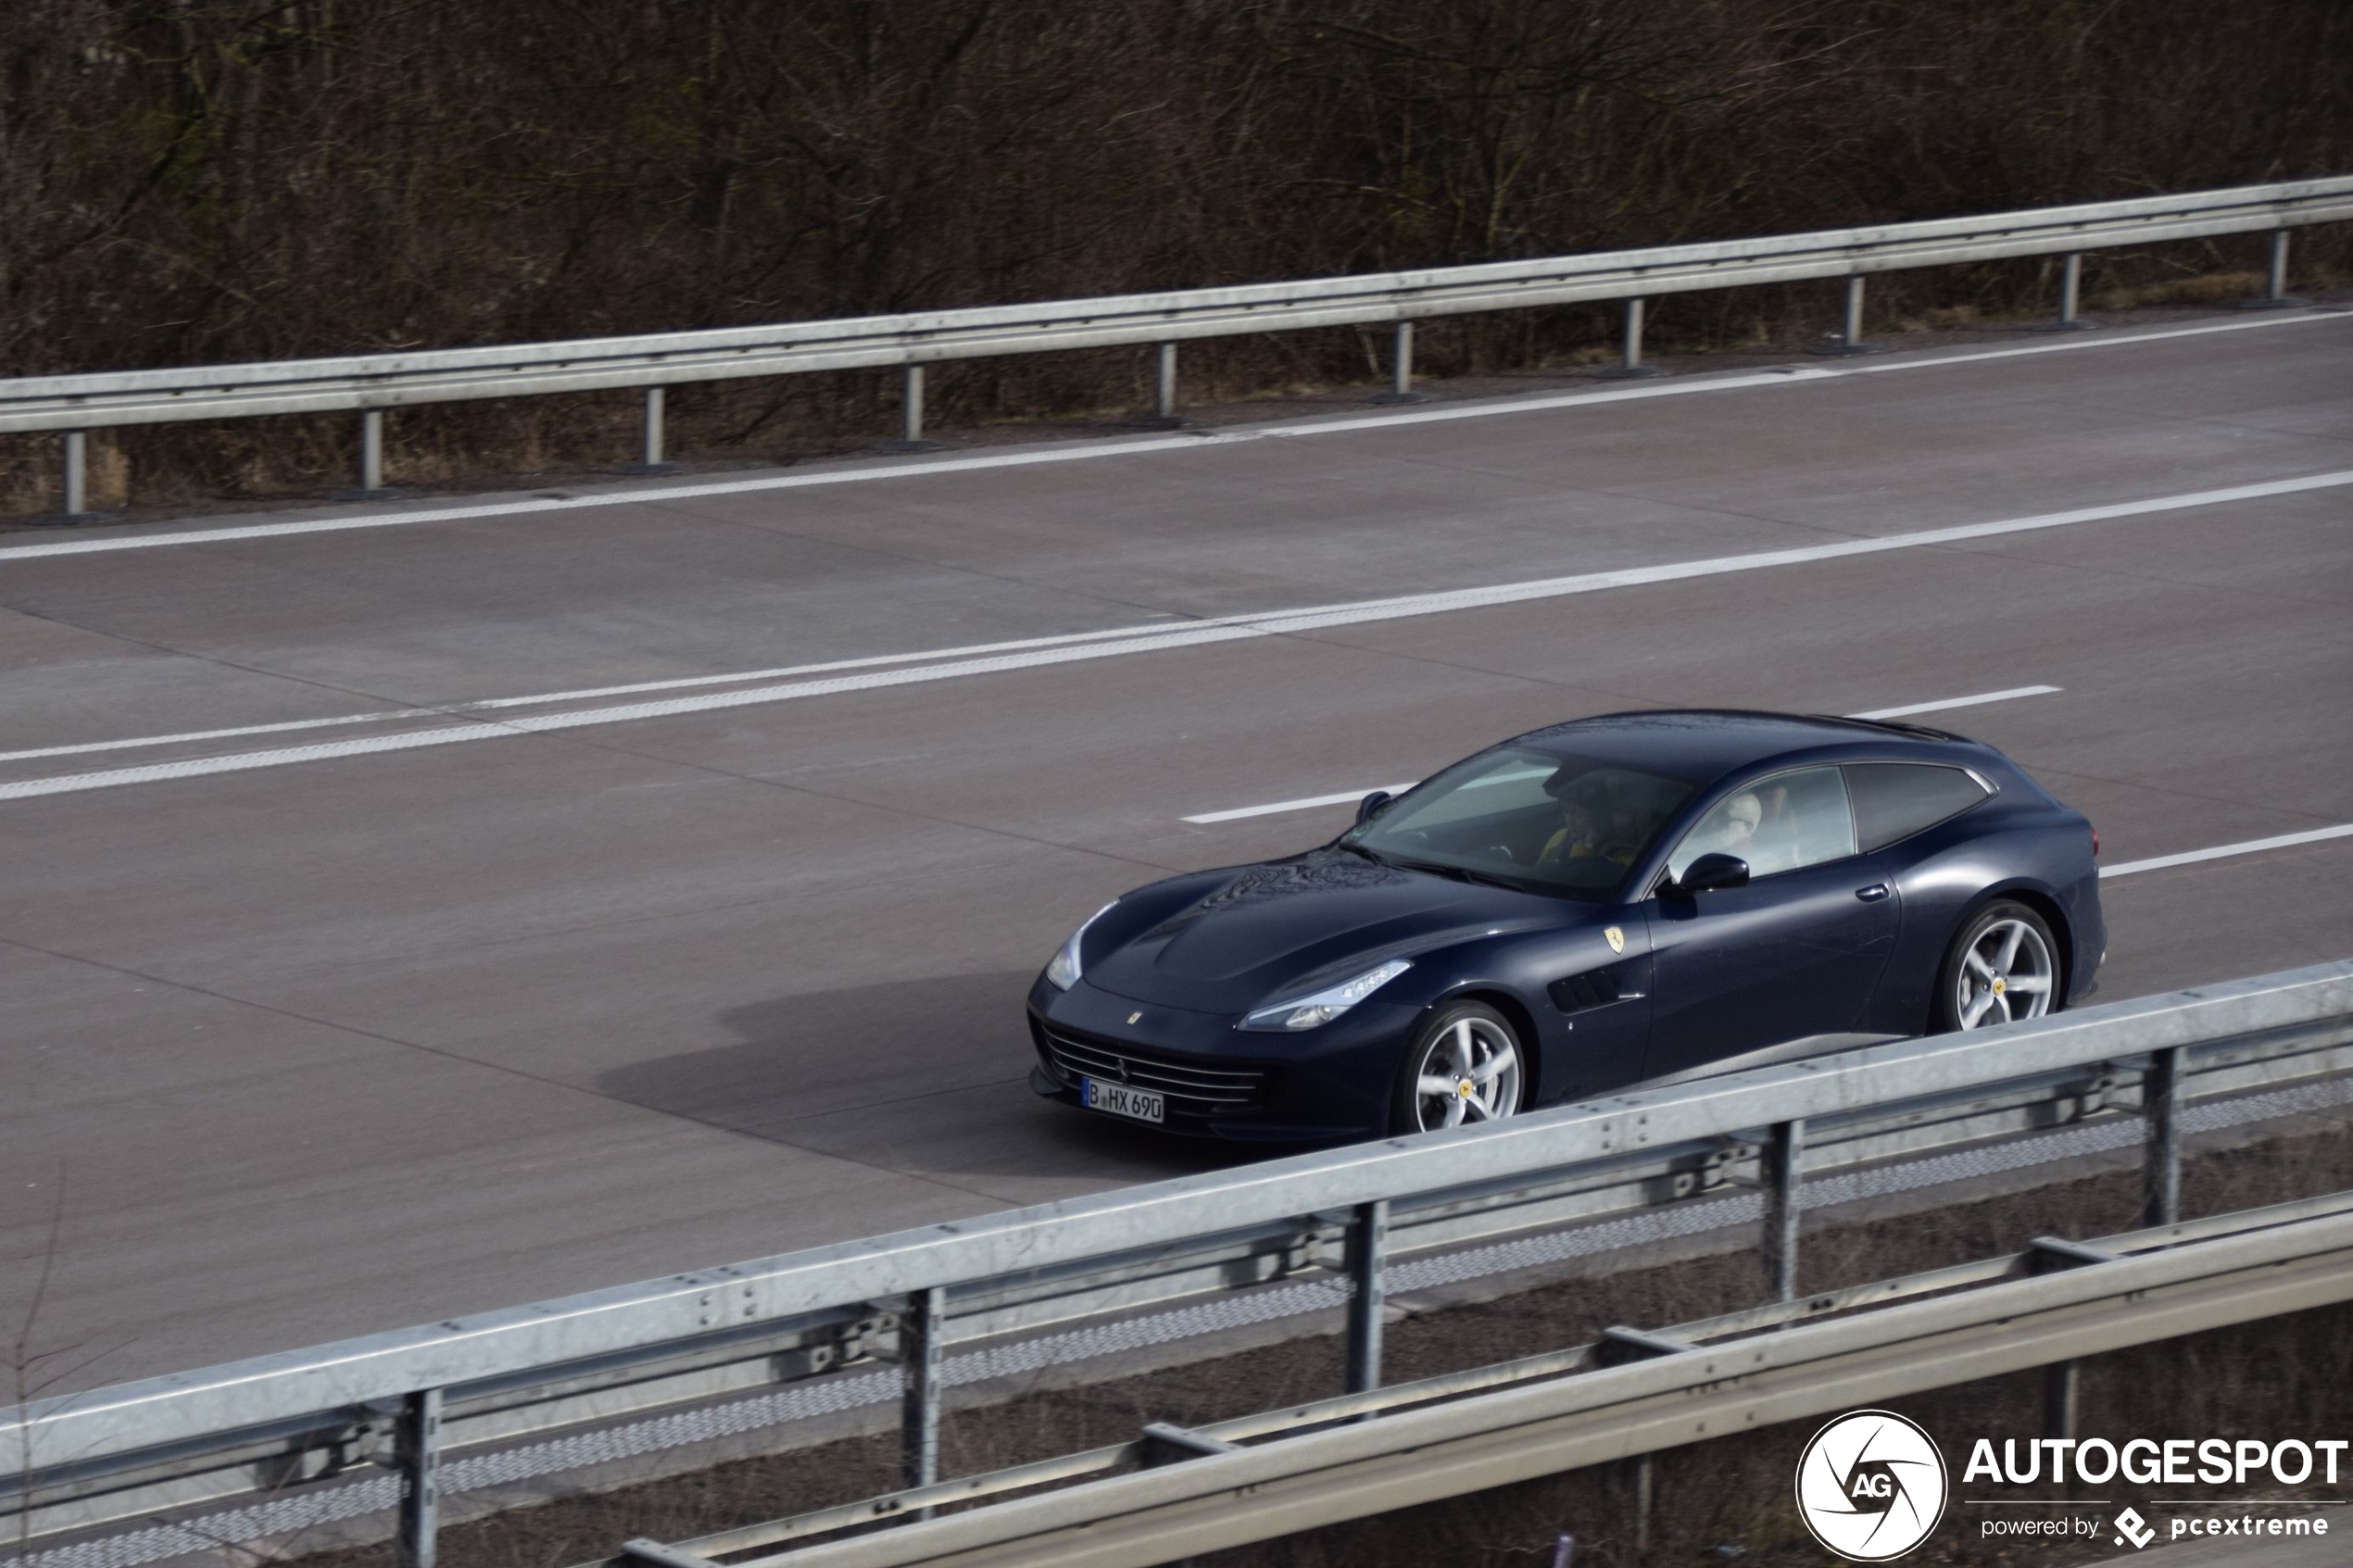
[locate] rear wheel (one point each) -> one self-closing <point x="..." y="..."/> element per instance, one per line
<point x="2003" y="965"/>
<point x="1466" y="1064"/>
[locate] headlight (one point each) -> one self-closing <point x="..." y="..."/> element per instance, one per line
<point x="1063" y="969"/>
<point x="1306" y="1013"/>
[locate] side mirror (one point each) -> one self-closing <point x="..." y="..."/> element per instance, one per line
<point x="1373" y="803"/>
<point x="1709" y="873"/>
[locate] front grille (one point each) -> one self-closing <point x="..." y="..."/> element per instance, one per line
<point x="1193" y="1088"/>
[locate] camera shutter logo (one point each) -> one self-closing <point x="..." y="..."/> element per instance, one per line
<point x="1871" y="1485"/>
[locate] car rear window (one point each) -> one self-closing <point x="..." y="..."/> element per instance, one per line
<point x="1894" y="800"/>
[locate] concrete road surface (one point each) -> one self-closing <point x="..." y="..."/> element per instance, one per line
<point x="320" y="1014"/>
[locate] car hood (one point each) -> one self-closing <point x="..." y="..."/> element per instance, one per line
<point x="1268" y="931"/>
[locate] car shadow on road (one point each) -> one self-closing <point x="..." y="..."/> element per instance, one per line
<point x="928" y="1077"/>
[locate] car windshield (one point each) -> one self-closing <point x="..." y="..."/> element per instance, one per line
<point x="1525" y="818"/>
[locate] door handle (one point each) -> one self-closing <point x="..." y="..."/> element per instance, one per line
<point x="1872" y="893"/>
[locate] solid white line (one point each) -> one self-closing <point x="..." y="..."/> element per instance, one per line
<point x="1355" y="795"/>
<point x="1949" y="702"/>
<point x="1345" y="796"/>
<point x="1109" y="645"/>
<point x="2222" y="851"/>
<point x="935" y="466"/>
<point x="543" y="700"/>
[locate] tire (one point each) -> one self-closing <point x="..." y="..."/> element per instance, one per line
<point x="1440" y="1082"/>
<point x="2001" y="953"/>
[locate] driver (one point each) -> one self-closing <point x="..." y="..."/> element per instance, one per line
<point x="1577" y="840"/>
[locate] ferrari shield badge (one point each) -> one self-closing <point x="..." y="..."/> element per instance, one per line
<point x="1134" y="1016"/>
<point x="1616" y="938"/>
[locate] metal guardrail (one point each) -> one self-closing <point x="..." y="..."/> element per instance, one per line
<point x="369" y="384"/>
<point x="403" y="1398"/>
<point x="1628" y="1395"/>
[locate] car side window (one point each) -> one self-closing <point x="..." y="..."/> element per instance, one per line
<point x="1894" y="800"/>
<point x="1776" y="824"/>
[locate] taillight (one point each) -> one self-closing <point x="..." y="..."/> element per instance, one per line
<point x="2096" y="844"/>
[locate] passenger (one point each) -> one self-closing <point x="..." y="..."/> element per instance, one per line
<point x="1733" y="830"/>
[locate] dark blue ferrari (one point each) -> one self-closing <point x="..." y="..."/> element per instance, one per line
<point x="1602" y="902"/>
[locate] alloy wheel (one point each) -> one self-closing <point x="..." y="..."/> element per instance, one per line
<point x="2006" y="974"/>
<point x="1470" y="1071"/>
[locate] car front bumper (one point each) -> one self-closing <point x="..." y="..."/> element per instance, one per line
<point x="1220" y="1081"/>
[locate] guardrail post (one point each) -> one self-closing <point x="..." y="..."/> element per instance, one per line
<point x="1367" y="1243"/>
<point x="2275" y="295"/>
<point x="1783" y="1159"/>
<point x="1400" y="370"/>
<point x="1164" y="383"/>
<point x="1645" y="1488"/>
<point x="2061" y="1388"/>
<point x="77" y="478"/>
<point x="416" y="1450"/>
<point x="910" y="415"/>
<point x="1629" y="364"/>
<point x="649" y="457"/>
<point x="371" y="451"/>
<point x="2161" y="1158"/>
<point x="1850" y="337"/>
<point x="921" y="1356"/>
<point x="2070" y="297"/>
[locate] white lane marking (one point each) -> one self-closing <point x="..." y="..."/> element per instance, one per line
<point x="1229" y="628"/>
<point x="1950" y="702"/>
<point x="1672" y="388"/>
<point x="2222" y="851"/>
<point x="1343" y="798"/>
<point x="543" y="700"/>
<point x="1355" y="794"/>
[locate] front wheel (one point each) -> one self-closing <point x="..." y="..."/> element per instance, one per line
<point x="2003" y="965"/>
<point x="1466" y="1064"/>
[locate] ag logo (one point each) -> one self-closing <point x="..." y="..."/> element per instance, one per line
<point x="1871" y="1485"/>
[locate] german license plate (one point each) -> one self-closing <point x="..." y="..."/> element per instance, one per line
<point x="1136" y="1105"/>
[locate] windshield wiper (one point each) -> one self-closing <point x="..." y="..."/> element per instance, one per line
<point x="1360" y="849"/>
<point x="1461" y="874"/>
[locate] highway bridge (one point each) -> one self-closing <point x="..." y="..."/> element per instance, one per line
<point x="416" y="909"/>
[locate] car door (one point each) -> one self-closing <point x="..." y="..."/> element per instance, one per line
<point x="1797" y="951"/>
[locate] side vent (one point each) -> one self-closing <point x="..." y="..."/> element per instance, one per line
<point x="1576" y="993"/>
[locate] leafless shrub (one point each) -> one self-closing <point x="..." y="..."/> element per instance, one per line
<point x="194" y="181"/>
